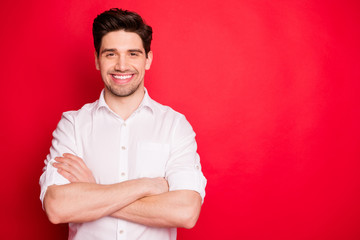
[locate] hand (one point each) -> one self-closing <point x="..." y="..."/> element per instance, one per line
<point x="158" y="185"/>
<point x="73" y="169"/>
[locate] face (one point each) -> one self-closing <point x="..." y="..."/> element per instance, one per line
<point x="122" y="63"/>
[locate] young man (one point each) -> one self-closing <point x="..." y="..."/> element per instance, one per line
<point x="125" y="166"/>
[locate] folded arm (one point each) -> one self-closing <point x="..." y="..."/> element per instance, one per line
<point x="83" y="200"/>
<point x="179" y="208"/>
<point x="144" y="201"/>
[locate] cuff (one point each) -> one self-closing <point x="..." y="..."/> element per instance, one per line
<point x="50" y="177"/>
<point x="188" y="180"/>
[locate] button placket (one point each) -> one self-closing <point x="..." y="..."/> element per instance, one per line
<point x="121" y="230"/>
<point x="123" y="173"/>
<point x="123" y="162"/>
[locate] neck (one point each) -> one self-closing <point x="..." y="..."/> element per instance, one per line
<point x="124" y="106"/>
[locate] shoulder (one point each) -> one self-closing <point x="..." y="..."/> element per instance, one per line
<point x="168" y="115"/>
<point x="165" y="111"/>
<point x="84" y="112"/>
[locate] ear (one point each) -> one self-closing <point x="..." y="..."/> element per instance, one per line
<point x="149" y="60"/>
<point x="96" y="61"/>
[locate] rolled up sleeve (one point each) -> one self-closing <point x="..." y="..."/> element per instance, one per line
<point x="183" y="171"/>
<point x="63" y="142"/>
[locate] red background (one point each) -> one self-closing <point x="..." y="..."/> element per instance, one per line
<point x="270" y="87"/>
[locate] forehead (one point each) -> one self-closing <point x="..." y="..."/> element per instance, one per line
<point x="121" y="40"/>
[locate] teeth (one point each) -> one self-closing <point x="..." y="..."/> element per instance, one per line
<point x="122" y="77"/>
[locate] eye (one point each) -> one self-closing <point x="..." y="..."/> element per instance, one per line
<point x="133" y="54"/>
<point x="110" y="54"/>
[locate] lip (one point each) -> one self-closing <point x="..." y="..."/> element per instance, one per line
<point x="122" y="78"/>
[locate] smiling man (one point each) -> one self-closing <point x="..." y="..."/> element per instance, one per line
<point x="125" y="166"/>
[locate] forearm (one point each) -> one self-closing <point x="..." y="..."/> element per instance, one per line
<point x="171" y="209"/>
<point x="82" y="202"/>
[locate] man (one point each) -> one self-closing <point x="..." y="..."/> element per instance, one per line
<point x="125" y="166"/>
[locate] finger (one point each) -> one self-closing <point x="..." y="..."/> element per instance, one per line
<point x="73" y="167"/>
<point x="69" y="155"/>
<point x="77" y="167"/>
<point x="80" y="165"/>
<point x="67" y="175"/>
<point x="68" y="168"/>
<point x="70" y="162"/>
<point x="75" y="158"/>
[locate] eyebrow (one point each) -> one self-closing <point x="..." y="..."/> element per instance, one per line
<point x="114" y="50"/>
<point x="136" y="50"/>
<point x="108" y="50"/>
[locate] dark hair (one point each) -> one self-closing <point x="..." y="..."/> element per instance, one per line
<point x="117" y="19"/>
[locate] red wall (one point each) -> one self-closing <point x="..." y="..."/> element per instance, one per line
<point x="270" y="87"/>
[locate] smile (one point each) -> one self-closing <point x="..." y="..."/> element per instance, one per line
<point x="122" y="78"/>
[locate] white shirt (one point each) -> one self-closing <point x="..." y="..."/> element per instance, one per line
<point x="155" y="141"/>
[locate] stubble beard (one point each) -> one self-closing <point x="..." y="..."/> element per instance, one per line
<point x="123" y="91"/>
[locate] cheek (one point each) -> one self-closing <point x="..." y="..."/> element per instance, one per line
<point x="104" y="67"/>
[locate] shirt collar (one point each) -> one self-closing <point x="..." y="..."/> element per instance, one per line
<point x="146" y="103"/>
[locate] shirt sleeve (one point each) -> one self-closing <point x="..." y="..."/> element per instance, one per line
<point x="63" y="142"/>
<point x="183" y="171"/>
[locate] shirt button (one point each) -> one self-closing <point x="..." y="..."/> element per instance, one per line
<point x="124" y="124"/>
<point x="123" y="174"/>
<point x="123" y="147"/>
<point x="121" y="231"/>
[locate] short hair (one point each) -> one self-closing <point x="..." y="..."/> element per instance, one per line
<point x="117" y="19"/>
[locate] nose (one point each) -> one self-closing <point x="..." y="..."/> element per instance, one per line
<point x="121" y="64"/>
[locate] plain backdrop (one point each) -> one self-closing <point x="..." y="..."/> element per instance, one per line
<point x="270" y="87"/>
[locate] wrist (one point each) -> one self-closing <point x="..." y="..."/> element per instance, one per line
<point x="148" y="186"/>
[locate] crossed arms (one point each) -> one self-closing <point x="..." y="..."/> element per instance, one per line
<point x="146" y="201"/>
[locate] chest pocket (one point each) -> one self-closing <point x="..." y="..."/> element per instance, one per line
<point x="151" y="159"/>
